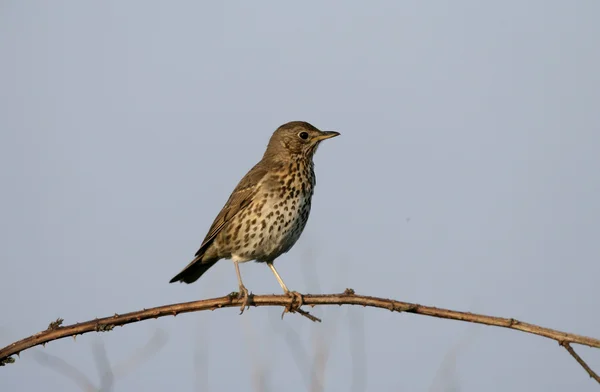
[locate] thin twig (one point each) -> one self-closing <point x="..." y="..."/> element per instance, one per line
<point x="358" y="348"/>
<point x="579" y="360"/>
<point x="108" y="374"/>
<point x="307" y="315"/>
<point x="61" y="366"/>
<point x="346" y="298"/>
<point x="296" y="348"/>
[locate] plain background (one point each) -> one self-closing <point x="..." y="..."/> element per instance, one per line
<point x="466" y="177"/>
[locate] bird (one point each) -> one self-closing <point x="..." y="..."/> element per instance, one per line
<point x="267" y="211"/>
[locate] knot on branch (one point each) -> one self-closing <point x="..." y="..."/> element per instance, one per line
<point x="55" y="324"/>
<point x="513" y="322"/>
<point x="104" y="327"/>
<point x="6" y="361"/>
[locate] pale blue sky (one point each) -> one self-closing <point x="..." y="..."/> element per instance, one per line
<point x="124" y="126"/>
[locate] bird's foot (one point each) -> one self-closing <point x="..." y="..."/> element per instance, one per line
<point x="244" y="294"/>
<point x="296" y="301"/>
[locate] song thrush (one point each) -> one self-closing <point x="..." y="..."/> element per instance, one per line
<point x="268" y="209"/>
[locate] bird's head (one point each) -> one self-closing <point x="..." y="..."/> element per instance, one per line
<point x="296" y="139"/>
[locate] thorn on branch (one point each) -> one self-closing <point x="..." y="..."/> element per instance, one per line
<point x="55" y="324"/>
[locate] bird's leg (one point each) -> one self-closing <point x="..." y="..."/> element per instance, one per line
<point x="294" y="295"/>
<point x="283" y="286"/>
<point x="243" y="290"/>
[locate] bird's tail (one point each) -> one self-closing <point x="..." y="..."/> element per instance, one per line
<point x="193" y="271"/>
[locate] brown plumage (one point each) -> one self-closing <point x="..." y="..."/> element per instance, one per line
<point x="268" y="209"/>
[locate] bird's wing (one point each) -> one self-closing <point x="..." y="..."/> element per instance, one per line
<point x="241" y="196"/>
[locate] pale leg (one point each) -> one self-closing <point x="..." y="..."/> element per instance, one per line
<point x="283" y="286"/>
<point x="294" y="295"/>
<point x="243" y="290"/>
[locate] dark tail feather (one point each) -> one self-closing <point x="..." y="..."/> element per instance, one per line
<point x="193" y="271"/>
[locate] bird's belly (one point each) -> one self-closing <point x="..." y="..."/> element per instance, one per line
<point x="285" y="222"/>
<point x="270" y="228"/>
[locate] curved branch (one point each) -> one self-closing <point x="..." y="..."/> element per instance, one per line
<point x="56" y="331"/>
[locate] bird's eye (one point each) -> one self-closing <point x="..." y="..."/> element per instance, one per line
<point x="303" y="135"/>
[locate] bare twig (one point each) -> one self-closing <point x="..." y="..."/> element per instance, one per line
<point x="107" y="373"/>
<point x="61" y="366"/>
<point x="358" y="348"/>
<point x="445" y="379"/>
<point x="303" y="313"/>
<point x="323" y="343"/>
<point x="346" y="298"/>
<point x="579" y="360"/>
<point x="297" y="349"/>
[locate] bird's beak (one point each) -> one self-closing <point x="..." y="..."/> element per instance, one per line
<point x="327" y="135"/>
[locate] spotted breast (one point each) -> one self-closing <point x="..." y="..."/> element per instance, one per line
<point x="272" y="223"/>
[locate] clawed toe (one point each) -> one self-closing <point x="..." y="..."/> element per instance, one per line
<point x="244" y="294"/>
<point x="296" y="297"/>
<point x="296" y="302"/>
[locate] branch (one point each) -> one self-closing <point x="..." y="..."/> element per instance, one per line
<point x="56" y="331"/>
<point x="580" y="361"/>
